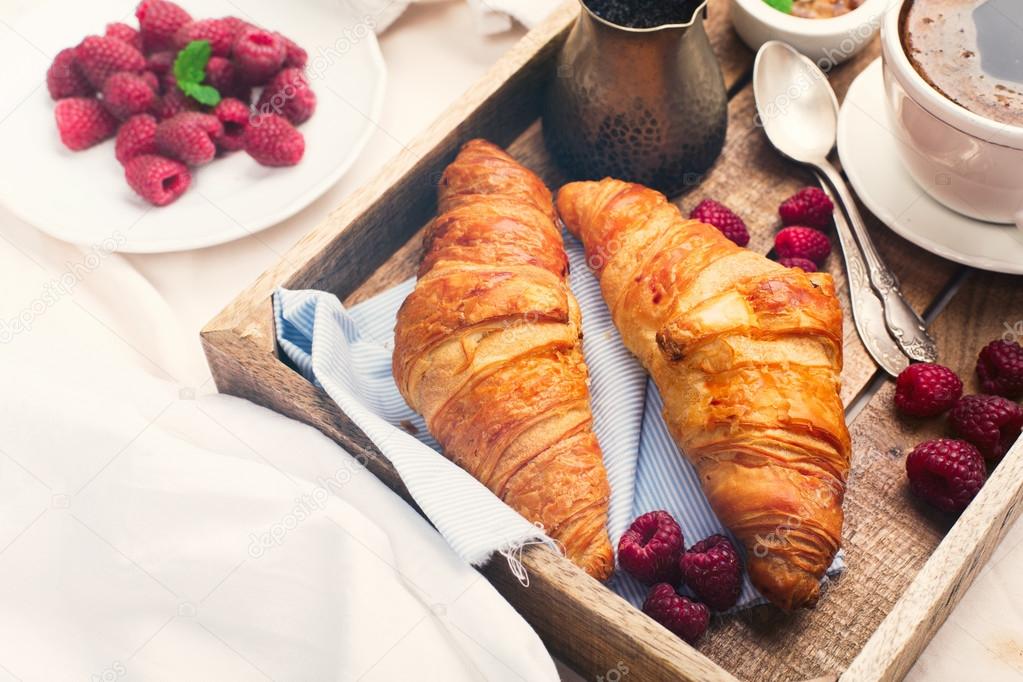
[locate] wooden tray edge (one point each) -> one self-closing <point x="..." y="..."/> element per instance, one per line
<point x="941" y="583"/>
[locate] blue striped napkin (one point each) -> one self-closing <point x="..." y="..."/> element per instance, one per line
<point x="348" y="353"/>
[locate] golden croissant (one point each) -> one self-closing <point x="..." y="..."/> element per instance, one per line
<point x="488" y="349"/>
<point x="747" y="355"/>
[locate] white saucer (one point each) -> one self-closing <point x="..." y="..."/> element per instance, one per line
<point x="866" y="146"/>
<point x="83" y="198"/>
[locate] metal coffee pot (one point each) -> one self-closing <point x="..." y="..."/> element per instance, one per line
<point x="646" y="105"/>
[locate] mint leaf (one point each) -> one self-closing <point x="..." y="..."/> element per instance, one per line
<point x="204" y="94"/>
<point x="190" y="64"/>
<point x="190" y="71"/>
<point x="781" y="5"/>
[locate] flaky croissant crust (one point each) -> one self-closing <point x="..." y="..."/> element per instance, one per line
<point x="747" y="355"/>
<point x="488" y="350"/>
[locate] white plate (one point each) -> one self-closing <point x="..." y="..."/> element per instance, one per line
<point x="82" y="197"/>
<point x="866" y="145"/>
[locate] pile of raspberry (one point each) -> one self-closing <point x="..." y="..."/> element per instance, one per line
<point x="652" y="550"/>
<point x="949" y="472"/>
<point x="801" y="243"/>
<point x="123" y="84"/>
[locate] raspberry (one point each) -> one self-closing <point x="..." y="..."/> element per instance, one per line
<point x="153" y="81"/>
<point x="126" y="94"/>
<point x="161" y="63"/>
<point x="295" y="55"/>
<point x="172" y="104"/>
<point x="288" y="95"/>
<point x="236" y="25"/>
<point x="1000" y="368"/>
<point x="681" y="615"/>
<point x="990" y="422"/>
<point x="136" y="136"/>
<point x="188" y="137"/>
<point x="169" y="83"/>
<point x="926" y="390"/>
<point x="218" y="32"/>
<point x="124" y="33"/>
<point x="258" y="55"/>
<point x="651" y="547"/>
<point x="221" y="74"/>
<point x="159" y="20"/>
<point x="83" y="122"/>
<point x="234" y="117"/>
<point x="802" y="242"/>
<point x="809" y="206"/>
<point x="272" y="141"/>
<point x="64" y="78"/>
<point x="712" y="569"/>
<point x="946" y="473"/>
<point x="101" y="57"/>
<point x="720" y="216"/>
<point x="803" y="264"/>
<point x="156" y="179"/>
<point x="244" y="94"/>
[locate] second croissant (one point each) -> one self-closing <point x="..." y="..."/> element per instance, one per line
<point x="747" y="355"/>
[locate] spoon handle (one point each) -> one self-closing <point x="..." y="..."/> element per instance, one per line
<point x="867" y="309"/>
<point x="907" y="328"/>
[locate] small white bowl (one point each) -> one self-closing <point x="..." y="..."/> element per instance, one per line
<point x="828" y="42"/>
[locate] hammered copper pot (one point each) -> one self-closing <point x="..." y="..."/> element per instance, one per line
<point x="644" y="105"/>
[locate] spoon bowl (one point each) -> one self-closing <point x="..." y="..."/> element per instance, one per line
<point x="795" y="103"/>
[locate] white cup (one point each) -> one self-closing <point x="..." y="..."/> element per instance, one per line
<point x="971" y="164"/>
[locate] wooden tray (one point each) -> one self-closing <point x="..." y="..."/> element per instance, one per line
<point x="907" y="566"/>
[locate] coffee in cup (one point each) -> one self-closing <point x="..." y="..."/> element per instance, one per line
<point x="970" y="51"/>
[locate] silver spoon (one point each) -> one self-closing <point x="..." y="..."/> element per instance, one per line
<point x="799" y="113"/>
<point x="867" y="309"/>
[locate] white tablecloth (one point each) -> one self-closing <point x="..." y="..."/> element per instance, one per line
<point x="113" y="357"/>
